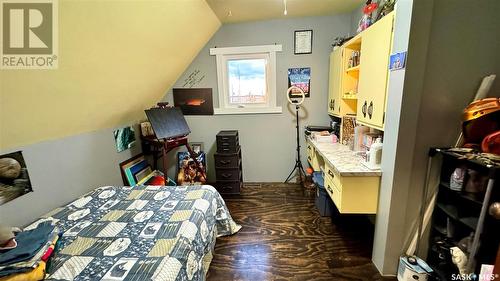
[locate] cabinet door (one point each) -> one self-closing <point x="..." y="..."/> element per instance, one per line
<point x="374" y="61"/>
<point x="334" y="96"/>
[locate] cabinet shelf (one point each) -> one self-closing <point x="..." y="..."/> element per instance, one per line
<point x="354" y="69"/>
<point x="473" y="197"/>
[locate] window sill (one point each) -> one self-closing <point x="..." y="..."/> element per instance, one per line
<point x="238" y="111"/>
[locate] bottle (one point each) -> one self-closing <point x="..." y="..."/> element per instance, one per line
<point x="376" y="153"/>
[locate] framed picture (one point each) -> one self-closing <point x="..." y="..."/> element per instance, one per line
<point x="187" y="173"/>
<point x="197" y="147"/>
<point x="139" y="175"/>
<point x="301" y="78"/>
<point x="132" y="166"/>
<point x="194" y="101"/>
<point x="14" y="178"/>
<point x="302" y="42"/>
<point x="124" y="138"/>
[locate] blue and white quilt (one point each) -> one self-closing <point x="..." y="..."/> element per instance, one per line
<point x="139" y="233"/>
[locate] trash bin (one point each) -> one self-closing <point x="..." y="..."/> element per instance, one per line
<point x="323" y="202"/>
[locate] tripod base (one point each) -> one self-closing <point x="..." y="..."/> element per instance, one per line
<point x="300" y="171"/>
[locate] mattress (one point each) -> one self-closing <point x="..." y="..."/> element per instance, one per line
<point x="139" y="233"/>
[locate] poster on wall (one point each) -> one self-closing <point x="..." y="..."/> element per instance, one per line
<point x="300" y="77"/>
<point x="124" y="138"/>
<point x="14" y="178"/>
<point x="194" y="101"/>
<point x="187" y="174"/>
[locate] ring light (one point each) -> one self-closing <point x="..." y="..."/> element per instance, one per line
<point x="296" y="102"/>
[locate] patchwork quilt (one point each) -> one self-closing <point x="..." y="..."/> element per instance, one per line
<point x="139" y="233"/>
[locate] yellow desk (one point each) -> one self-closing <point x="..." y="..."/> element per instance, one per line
<point x="353" y="187"/>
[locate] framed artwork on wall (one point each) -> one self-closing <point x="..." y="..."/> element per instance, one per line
<point x="302" y="42"/>
<point x="300" y="77"/>
<point x="14" y="178"/>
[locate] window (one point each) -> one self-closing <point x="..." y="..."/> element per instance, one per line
<point x="246" y="79"/>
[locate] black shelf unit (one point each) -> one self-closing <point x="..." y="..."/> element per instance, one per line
<point x="461" y="214"/>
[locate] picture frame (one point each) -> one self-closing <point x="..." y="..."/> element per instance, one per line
<point x="187" y="174"/>
<point x="141" y="174"/>
<point x="300" y="77"/>
<point x="131" y="166"/>
<point x="302" y="42"/>
<point x="197" y="147"/>
<point x="124" y="138"/>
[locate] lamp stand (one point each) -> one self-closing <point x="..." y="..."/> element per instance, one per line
<point x="298" y="164"/>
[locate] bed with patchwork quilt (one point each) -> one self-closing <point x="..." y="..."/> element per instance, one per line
<point x="139" y="233"/>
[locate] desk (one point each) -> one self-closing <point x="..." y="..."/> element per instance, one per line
<point x="352" y="187"/>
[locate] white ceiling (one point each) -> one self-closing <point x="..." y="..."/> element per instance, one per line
<point x="253" y="10"/>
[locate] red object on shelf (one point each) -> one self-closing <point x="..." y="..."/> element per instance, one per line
<point x="491" y="143"/>
<point x="368" y="9"/>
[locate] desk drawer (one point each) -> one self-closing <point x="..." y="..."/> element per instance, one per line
<point x="333" y="176"/>
<point x="334" y="193"/>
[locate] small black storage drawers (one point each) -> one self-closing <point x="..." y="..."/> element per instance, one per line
<point x="232" y="174"/>
<point x="227" y="142"/>
<point x="228" y="168"/>
<point x="225" y="160"/>
<point x="230" y="187"/>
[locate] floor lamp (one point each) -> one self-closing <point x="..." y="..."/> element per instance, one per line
<point x="297" y="101"/>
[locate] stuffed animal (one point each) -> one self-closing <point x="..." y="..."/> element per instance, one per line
<point x="7" y="238"/>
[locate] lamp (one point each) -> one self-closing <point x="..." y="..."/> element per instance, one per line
<point x="297" y="102"/>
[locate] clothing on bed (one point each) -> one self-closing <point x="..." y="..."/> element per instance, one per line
<point x="139" y="233"/>
<point x="32" y="246"/>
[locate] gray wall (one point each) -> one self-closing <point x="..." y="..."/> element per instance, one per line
<point x="268" y="140"/>
<point x="64" y="169"/>
<point x="451" y="46"/>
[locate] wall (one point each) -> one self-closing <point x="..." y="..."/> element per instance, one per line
<point x="268" y="140"/>
<point x="116" y="58"/>
<point x="64" y="169"/>
<point x="451" y="46"/>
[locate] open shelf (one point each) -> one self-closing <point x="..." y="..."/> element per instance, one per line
<point x="350" y="97"/>
<point x="353" y="69"/>
<point x="473" y="197"/>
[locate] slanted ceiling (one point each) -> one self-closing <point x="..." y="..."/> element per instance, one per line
<point x="116" y="58"/>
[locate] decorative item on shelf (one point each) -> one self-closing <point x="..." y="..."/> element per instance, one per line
<point x="300" y="78"/>
<point x="347" y="133"/>
<point x="146" y="129"/>
<point x="302" y="43"/>
<point x="366" y="19"/>
<point x="338" y="41"/>
<point x="385" y="7"/>
<point x="480" y="119"/>
<point x="457" y="179"/>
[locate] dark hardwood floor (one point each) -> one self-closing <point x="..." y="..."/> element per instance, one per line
<point x="284" y="238"/>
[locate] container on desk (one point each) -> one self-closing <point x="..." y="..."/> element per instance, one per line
<point x="322" y="201"/>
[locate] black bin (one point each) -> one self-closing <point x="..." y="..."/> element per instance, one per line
<point x="323" y="201"/>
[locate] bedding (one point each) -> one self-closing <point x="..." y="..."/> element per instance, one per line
<point x="139" y="233"/>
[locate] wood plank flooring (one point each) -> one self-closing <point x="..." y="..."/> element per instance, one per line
<point x="284" y="238"/>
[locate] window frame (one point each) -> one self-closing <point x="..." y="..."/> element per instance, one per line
<point x="223" y="55"/>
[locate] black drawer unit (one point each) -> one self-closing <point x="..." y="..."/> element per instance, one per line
<point x="228" y="164"/>
<point x="227" y="142"/>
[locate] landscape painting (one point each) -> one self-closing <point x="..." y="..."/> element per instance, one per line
<point x="14" y="178"/>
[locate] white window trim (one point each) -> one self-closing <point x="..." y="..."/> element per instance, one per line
<point x="222" y="54"/>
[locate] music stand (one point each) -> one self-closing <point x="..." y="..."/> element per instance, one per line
<point x="171" y="131"/>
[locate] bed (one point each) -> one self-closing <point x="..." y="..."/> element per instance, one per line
<point x="139" y="233"/>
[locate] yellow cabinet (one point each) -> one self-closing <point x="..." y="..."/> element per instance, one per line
<point x="374" y="61"/>
<point x="334" y="89"/>
<point x="341" y="81"/>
